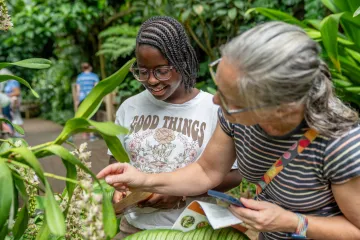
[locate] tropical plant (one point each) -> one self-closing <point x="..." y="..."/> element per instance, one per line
<point x="204" y="233"/>
<point x="339" y="36"/>
<point x="18" y="161"/>
<point x="118" y="41"/>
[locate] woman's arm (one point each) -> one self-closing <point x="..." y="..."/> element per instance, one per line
<point x="194" y="179"/>
<point x="268" y="217"/>
<point x="347" y="196"/>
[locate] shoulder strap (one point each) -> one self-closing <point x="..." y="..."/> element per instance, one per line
<point x="287" y="157"/>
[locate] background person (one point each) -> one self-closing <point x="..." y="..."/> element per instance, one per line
<point x="85" y="82"/>
<point x="269" y="100"/>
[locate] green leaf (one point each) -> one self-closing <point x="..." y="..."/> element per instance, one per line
<point x="353" y="89"/>
<point x="116" y="149"/>
<point x="329" y="34"/>
<point x="76" y="124"/>
<point x="31" y="160"/>
<point x="103" y="88"/>
<point x="54" y="216"/>
<point x="341" y="83"/>
<point x="6" y="146"/>
<point x="357" y="12"/>
<point x="15" y="126"/>
<point x="331" y="5"/>
<point x="232" y="13"/>
<point x="64" y="154"/>
<point x="19" y="79"/>
<point x="44" y="232"/>
<point x="109" y="217"/>
<point x="277" y="15"/>
<point x="198" y="9"/>
<point x="6" y="192"/>
<point x="71" y="173"/>
<point x="20" y="186"/>
<point x="34" y="63"/>
<point x="20" y="223"/>
<point x="239" y="4"/>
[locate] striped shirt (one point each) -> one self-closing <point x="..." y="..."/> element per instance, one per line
<point x="304" y="185"/>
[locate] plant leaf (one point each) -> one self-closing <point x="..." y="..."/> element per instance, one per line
<point x="329" y="34"/>
<point x="34" y="63"/>
<point x="276" y="15"/>
<point x="31" y="160"/>
<point x="44" y="232"/>
<point x="21" y="223"/>
<point x="19" y="79"/>
<point x="73" y="125"/>
<point x="15" y="126"/>
<point x="116" y="148"/>
<point x="54" y="216"/>
<point x="232" y="13"/>
<point x="357" y="12"/>
<point x="109" y="217"/>
<point x="103" y="88"/>
<point x="20" y="186"/>
<point x="330" y="5"/>
<point x="71" y="173"/>
<point x="6" y="192"/>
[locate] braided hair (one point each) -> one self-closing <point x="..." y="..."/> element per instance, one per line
<point x="169" y="36"/>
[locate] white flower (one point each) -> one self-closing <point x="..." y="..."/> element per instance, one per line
<point x="83" y="147"/>
<point x="18" y="143"/>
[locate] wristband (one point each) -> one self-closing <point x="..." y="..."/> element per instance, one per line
<point x="301" y="228"/>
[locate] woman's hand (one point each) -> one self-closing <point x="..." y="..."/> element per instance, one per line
<point x="123" y="176"/>
<point x="163" y="202"/>
<point x="265" y="217"/>
<point x="118" y="196"/>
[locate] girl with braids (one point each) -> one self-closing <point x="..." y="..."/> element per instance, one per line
<point x="170" y="122"/>
<point x="290" y="134"/>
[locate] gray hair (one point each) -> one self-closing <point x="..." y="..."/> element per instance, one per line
<point x="280" y="64"/>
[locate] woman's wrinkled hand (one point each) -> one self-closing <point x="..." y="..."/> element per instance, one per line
<point x="265" y="217"/>
<point x="123" y="176"/>
<point x="161" y="201"/>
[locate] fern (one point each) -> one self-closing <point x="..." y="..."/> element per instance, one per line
<point x="313" y="9"/>
<point x="119" y="41"/>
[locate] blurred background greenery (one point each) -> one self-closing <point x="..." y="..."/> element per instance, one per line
<point x="102" y="32"/>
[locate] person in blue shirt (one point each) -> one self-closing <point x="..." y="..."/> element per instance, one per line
<point x="85" y="82"/>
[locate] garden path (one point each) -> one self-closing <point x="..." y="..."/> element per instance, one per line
<point x="39" y="131"/>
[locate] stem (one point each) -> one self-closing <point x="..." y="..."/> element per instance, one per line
<point x="71" y="144"/>
<point x="51" y="175"/>
<point x="46" y="174"/>
<point x="41" y="146"/>
<point x="2" y="140"/>
<point x="193" y="35"/>
<point x="206" y="34"/>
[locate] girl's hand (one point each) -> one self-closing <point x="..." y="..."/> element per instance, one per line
<point x="123" y="176"/>
<point x="265" y="217"/>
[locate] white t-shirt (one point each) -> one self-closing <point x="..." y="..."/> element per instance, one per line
<point x="162" y="138"/>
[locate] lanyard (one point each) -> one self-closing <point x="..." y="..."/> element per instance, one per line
<point x="287" y="157"/>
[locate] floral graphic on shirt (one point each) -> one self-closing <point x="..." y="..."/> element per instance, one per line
<point x="161" y="150"/>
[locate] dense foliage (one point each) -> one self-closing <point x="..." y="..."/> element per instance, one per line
<point x="103" y="32"/>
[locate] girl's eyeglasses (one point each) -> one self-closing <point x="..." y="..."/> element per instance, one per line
<point x="162" y="73"/>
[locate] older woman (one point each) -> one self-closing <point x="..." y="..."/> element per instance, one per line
<point x="288" y="132"/>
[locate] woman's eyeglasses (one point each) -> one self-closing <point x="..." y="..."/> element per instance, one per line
<point x="224" y="106"/>
<point x="162" y="73"/>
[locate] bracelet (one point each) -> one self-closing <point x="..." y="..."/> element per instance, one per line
<point x="301" y="228"/>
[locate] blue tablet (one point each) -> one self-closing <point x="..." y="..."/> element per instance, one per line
<point x="226" y="198"/>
